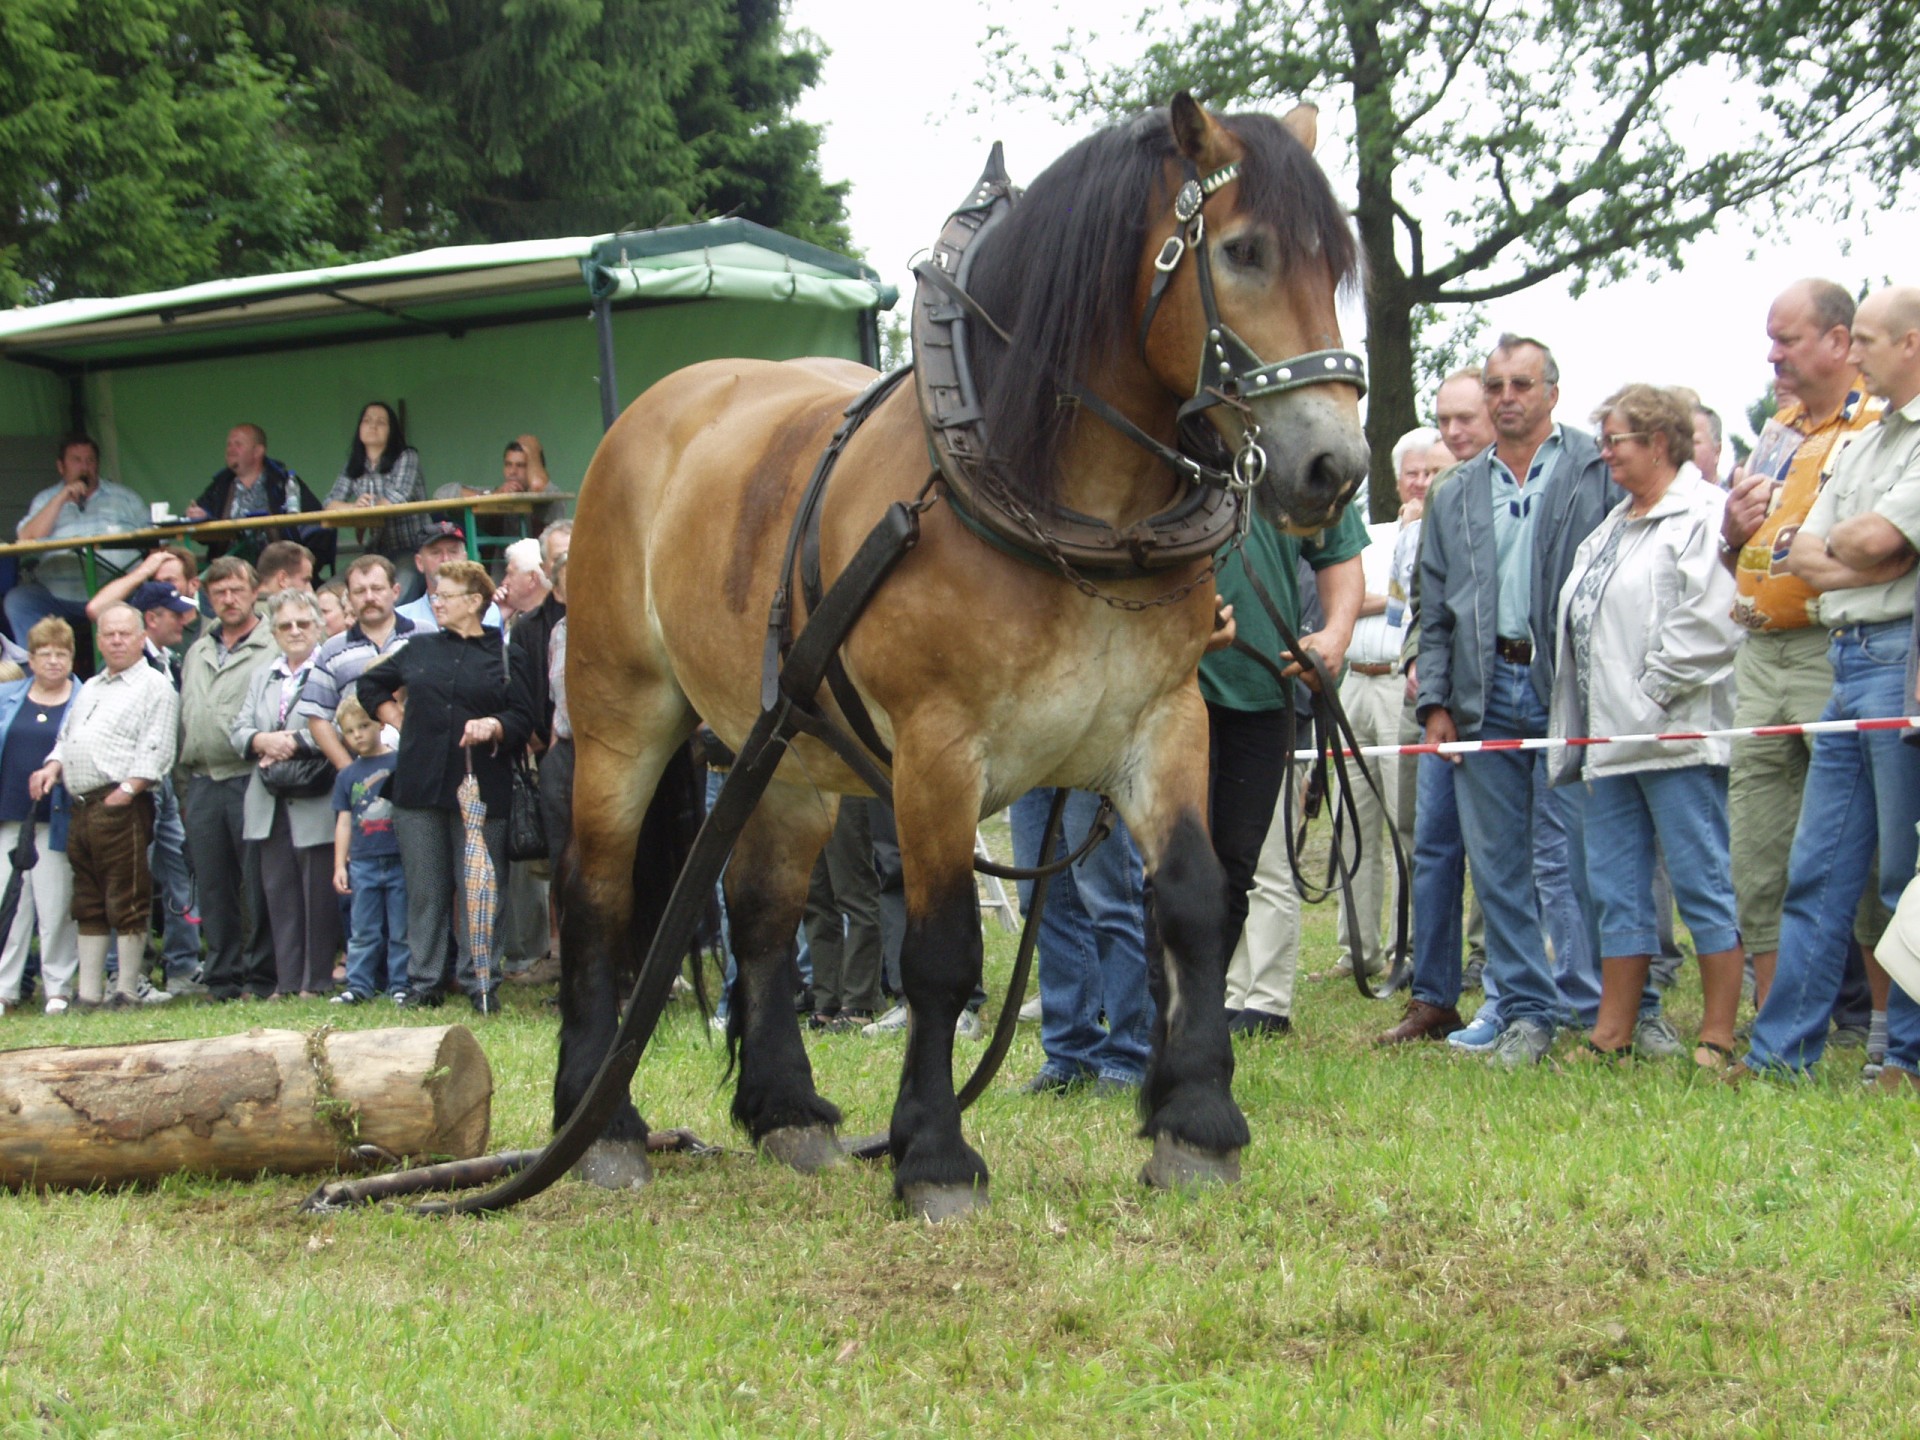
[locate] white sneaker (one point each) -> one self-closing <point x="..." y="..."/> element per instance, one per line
<point x="148" y="995"/>
<point x="1030" y="1012"/>
<point x="894" y="1019"/>
<point x="56" y="1006"/>
<point x="968" y="1026"/>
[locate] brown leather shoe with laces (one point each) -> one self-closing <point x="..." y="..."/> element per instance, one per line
<point x="1423" y="1022"/>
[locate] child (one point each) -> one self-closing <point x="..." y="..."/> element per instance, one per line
<point x="366" y="860"/>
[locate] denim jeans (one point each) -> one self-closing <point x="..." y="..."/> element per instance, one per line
<point x="379" y="925"/>
<point x="1093" y="954"/>
<point x="1686" y="808"/>
<point x="1522" y="852"/>
<point x="167" y="858"/>
<point x="1439" y="885"/>
<point x="1863" y="792"/>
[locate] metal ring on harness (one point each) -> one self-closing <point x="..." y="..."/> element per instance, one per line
<point x="1249" y="462"/>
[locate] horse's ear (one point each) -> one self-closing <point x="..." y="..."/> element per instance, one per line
<point x="1303" y="123"/>
<point x="1200" y="137"/>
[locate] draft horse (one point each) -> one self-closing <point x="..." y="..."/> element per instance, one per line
<point x="984" y="672"/>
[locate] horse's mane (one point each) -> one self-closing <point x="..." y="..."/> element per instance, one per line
<point x="1058" y="271"/>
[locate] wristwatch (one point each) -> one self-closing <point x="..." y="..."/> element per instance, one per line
<point x="127" y="788"/>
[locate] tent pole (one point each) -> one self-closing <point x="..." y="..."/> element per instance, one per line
<point x="609" y="393"/>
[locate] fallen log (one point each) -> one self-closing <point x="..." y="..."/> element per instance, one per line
<point x="275" y="1101"/>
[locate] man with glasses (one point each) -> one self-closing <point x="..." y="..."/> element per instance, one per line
<point x="376" y="631"/>
<point x="1497" y="543"/>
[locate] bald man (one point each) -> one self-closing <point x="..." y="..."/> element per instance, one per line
<point x="1781" y="672"/>
<point x="1856" y="551"/>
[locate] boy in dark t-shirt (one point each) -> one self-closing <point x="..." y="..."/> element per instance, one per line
<point x="366" y="861"/>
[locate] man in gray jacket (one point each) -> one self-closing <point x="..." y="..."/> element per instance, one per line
<point x="214" y="678"/>
<point x="1498" y="542"/>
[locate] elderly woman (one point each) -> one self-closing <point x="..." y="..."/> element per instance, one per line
<point x="467" y="706"/>
<point x="30" y="715"/>
<point x="1645" y="644"/>
<point x="296" y="832"/>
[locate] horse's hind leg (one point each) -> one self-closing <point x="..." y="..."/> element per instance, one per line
<point x="774" y="1099"/>
<point x="628" y="826"/>
<point x="936" y="1174"/>
<point x="1187" y="1100"/>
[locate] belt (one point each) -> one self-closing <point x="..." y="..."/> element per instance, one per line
<point x="1361" y="668"/>
<point x="1517" y="652"/>
<point x="91" y="797"/>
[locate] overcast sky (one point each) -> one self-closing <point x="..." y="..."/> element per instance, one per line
<point x="909" y="125"/>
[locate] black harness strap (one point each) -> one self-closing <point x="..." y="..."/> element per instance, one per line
<point x="1333" y="737"/>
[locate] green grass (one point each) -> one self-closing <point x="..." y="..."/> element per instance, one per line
<point x="1421" y="1247"/>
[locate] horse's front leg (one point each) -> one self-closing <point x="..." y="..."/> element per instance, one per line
<point x="774" y="1099"/>
<point x="1187" y="1101"/>
<point x="936" y="1174"/>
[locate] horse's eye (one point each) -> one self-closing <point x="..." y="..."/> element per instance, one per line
<point x="1245" y="251"/>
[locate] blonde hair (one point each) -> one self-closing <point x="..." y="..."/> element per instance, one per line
<point x="52" y="631"/>
<point x="350" y="708"/>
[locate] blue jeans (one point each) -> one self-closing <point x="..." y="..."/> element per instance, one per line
<point x="1093" y="952"/>
<point x="1439" y="885"/>
<point x="1524" y="849"/>
<point x="379" y="926"/>
<point x="1687" y="809"/>
<point x="1862" y="792"/>
<point x="167" y="858"/>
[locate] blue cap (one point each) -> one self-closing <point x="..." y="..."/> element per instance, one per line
<point x="158" y="595"/>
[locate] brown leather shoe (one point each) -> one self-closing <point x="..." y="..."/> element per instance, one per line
<point x="1423" y="1022"/>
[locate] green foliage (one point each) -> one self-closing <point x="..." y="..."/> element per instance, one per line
<point x="148" y="143"/>
<point x="143" y="143"/>
<point x="1498" y="143"/>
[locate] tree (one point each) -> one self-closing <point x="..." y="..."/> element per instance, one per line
<point x="467" y="120"/>
<point x="1497" y="144"/>
<point x="142" y="144"/>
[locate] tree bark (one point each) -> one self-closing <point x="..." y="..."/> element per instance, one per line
<point x="274" y="1101"/>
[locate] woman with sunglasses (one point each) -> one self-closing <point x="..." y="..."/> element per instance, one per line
<point x="459" y="701"/>
<point x="296" y="833"/>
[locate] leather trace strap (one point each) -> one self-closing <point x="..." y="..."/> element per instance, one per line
<point x="1333" y="739"/>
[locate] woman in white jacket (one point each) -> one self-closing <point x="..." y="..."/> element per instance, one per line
<point x="1645" y="645"/>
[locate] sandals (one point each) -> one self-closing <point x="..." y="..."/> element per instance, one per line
<point x="1588" y="1053"/>
<point x="1722" y="1056"/>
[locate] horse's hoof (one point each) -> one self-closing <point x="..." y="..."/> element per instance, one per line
<point x="616" y="1165"/>
<point x="1176" y="1165"/>
<point x="937" y="1203"/>
<point x="806" y="1148"/>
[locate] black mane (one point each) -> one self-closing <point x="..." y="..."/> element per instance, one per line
<point x="1058" y="272"/>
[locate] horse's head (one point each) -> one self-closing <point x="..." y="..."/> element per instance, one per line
<point x="1236" y="287"/>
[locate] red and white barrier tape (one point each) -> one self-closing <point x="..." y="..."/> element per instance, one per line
<point x="1471" y="747"/>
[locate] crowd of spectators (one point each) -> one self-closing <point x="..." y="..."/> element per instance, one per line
<point x="234" y="753"/>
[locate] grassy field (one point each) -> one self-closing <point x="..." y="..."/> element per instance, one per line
<point x="1420" y="1247"/>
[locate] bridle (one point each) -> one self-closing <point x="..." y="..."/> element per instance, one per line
<point x="1230" y="372"/>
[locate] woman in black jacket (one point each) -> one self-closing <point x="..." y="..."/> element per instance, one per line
<point x="464" y="703"/>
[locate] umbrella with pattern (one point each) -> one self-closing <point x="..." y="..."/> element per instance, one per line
<point x="482" y="886"/>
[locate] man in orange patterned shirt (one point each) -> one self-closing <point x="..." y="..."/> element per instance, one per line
<point x="1781" y="668"/>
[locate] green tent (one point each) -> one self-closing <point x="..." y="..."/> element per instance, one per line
<point x="475" y="344"/>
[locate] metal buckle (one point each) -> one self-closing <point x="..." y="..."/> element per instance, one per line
<point x="1170" y="254"/>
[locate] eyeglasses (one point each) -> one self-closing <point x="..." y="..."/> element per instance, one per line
<point x="447" y="597"/>
<point x="295" y="624"/>
<point x="1519" y="385"/>
<point x="1608" y="442"/>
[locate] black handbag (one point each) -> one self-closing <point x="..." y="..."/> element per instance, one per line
<point x="300" y="778"/>
<point x="526" y="827"/>
<point x="304" y="775"/>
